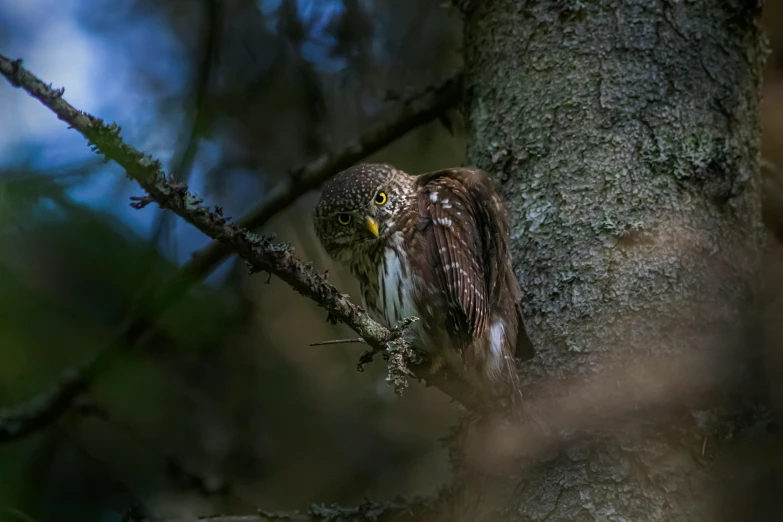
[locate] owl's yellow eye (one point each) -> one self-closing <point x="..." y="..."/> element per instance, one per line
<point x="343" y="219"/>
<point x="380" y="198"/>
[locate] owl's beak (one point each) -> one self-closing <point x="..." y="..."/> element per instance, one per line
<point x="372" y="225"/>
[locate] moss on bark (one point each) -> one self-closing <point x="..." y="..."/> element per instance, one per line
<point x="625" y="137"/>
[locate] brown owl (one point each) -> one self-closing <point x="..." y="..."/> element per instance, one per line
<point x="434" y="246"/>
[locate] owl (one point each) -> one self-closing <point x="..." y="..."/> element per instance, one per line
<point x="433" y="246"/>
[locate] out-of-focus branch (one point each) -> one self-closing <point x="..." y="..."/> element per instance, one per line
<point x="201" y="115"/>
<point x="26" y="418"/>
<point x="176" y="469"/>
<point x="365" y="512"/>
<point x="19" y="421"/>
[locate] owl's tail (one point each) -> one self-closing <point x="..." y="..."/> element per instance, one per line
<point x="523" y="350"/>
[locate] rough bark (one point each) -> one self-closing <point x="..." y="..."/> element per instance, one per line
<point x="625" y="137"/>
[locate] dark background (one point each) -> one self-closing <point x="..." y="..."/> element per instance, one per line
<point x="226" y="407"/>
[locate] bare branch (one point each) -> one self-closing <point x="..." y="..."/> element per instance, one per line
<point x="259" y="251"/>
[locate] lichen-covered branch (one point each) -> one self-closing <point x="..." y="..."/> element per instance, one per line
<point x="259" y="251"/>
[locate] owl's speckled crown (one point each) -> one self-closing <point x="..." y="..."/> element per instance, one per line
<point x="355" y="185"/>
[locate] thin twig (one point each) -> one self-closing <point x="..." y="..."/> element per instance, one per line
<point x="338" y="341"/>
<point x="46" y="408"/>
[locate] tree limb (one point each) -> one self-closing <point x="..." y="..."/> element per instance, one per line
<point x="259" y="251"/>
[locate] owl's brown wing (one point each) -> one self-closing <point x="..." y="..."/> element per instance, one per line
<point x="466" y="230"/>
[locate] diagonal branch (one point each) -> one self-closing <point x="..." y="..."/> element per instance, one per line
<point x="414" y="112"/>
<point x="40" y="412"/>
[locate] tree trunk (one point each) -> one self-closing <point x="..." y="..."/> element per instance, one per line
<point x="625" y="137"/>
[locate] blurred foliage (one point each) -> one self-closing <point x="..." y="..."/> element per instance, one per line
<point x="230" y="94"/>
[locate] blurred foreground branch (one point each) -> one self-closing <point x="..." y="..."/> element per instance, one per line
<point x="259" y="251"/>
<point x="365" y="512"/>
<point x="206" y="484"/>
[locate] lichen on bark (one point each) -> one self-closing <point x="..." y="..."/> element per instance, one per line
<point x="625" y="138"/>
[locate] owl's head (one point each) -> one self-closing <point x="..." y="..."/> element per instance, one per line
<point x="357" y="208"/>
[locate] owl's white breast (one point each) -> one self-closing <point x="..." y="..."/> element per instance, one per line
<point x="396" y="283"/>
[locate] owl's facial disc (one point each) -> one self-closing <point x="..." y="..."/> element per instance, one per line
<point x="356" y="209"/>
